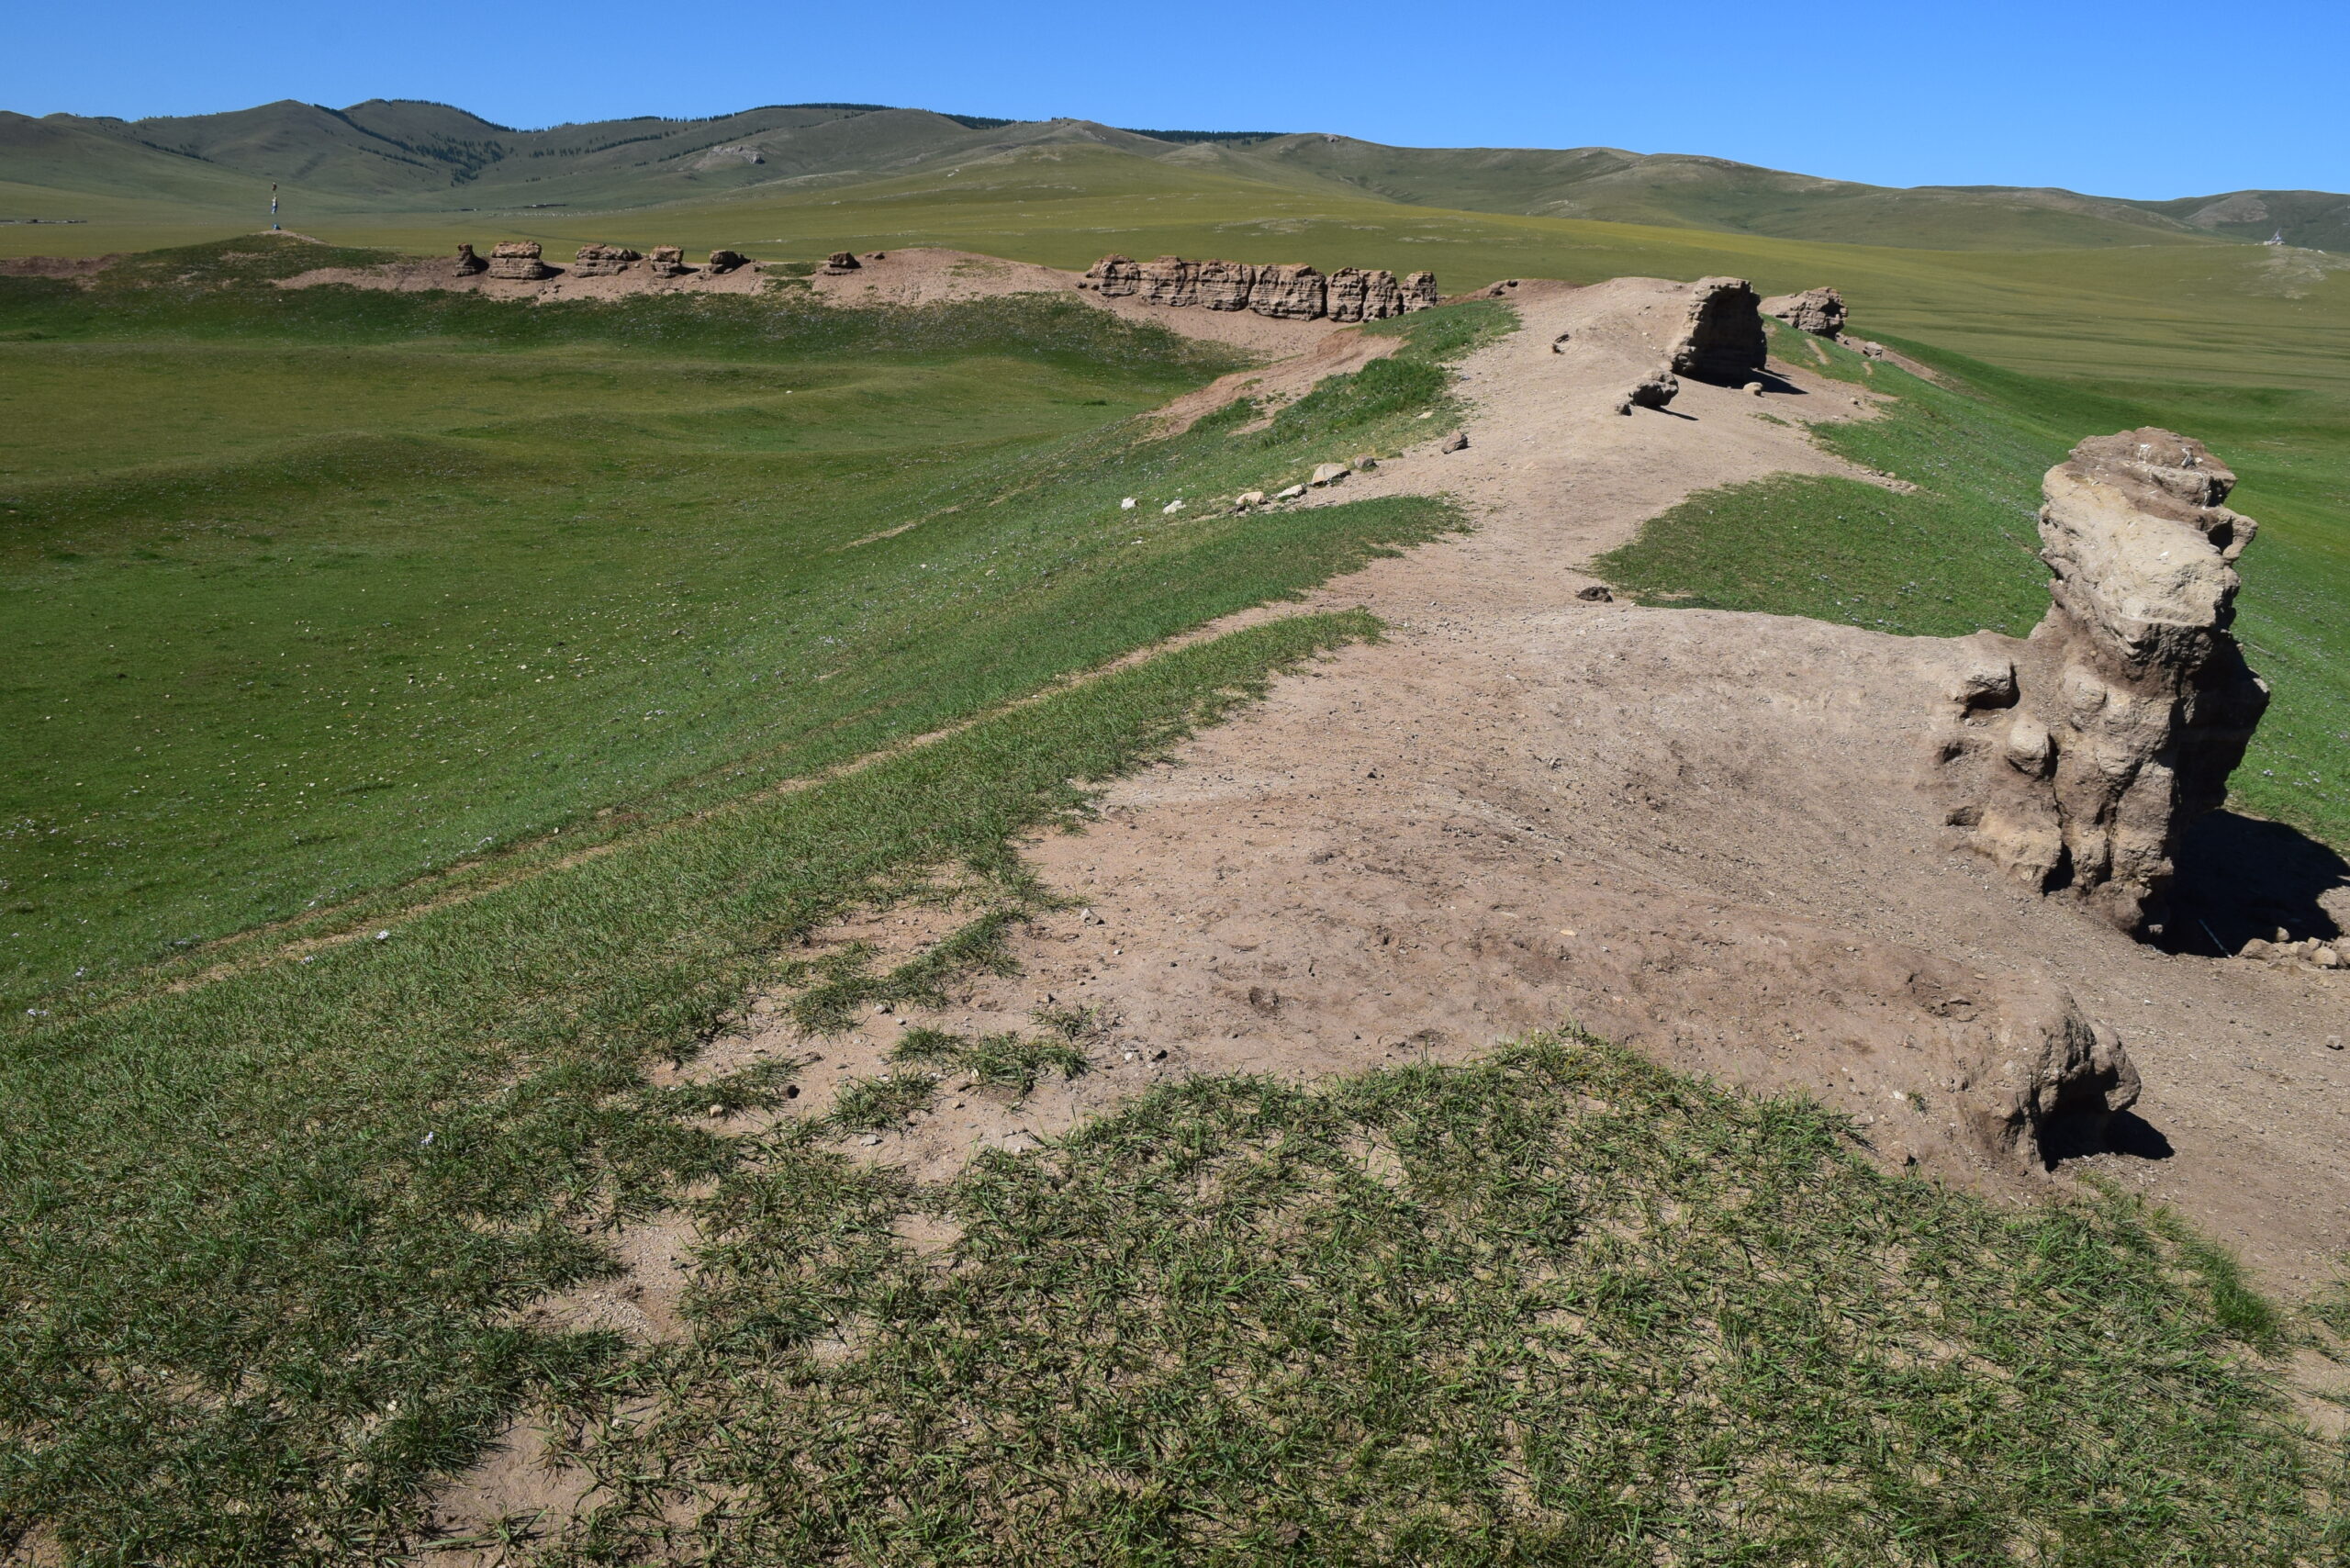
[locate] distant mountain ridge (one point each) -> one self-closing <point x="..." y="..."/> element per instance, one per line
<point x="411" y="155"/>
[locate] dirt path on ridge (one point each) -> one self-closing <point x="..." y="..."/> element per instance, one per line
<point x="1701" y="833"/>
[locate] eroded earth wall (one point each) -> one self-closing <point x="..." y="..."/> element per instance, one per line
<point x="2080" y="754"/>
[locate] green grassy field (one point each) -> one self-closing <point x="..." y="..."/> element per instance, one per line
<point x="260" y="1197"/>
<point x="417" y="577"/>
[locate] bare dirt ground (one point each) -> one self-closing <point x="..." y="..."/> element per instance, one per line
<point x="437" y="273"/>
<point x="1709" y="835"/>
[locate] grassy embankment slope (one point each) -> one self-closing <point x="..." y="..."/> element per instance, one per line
<point x="326" y="589"/>
<point x="936" y="533"/>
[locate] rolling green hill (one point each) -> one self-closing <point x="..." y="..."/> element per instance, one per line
<point x="59" y="162"/>
<point x="1716" y="193"/>
<point x="405" y="156"/>
<point x="2318" y="220"/>
<point x="408" y="155"/>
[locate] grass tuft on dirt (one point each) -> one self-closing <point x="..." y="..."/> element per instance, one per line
<point x="1008" y="1061"/>
<point x="1561" y="1305"/>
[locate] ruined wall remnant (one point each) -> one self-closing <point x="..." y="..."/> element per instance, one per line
<point x="1293" y="293"/>
<point x="1225" y="285"/>
<point x="467" y="264"/>
<point x="1820" y="311"/>
<point x="1343" y="294"/>
<point x="2078" y="757"/>
<point x="602" y="260"/>
<point x="1114" y="275"/>
<point x="518" y="259"/>
<point x="1169" y="280"/>
<point x="1288" y="293"/>
<point x="1723" y="342"/>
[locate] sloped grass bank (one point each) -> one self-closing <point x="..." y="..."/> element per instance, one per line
<point x="1561" y="1307"/>
<point x="630" y="559"/>
<point x="265" y="1237"/>
<point x="1961" y="553"/>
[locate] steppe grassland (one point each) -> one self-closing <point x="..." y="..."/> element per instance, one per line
<point x="1559" y="1307"/>
<point x="2234" y="313"/>
<point x="414" y="575"/>
<point x="271" y="1208"/>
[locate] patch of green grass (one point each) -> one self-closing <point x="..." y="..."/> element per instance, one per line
<point x="243" y="259"/>
<point x="1957" y="555"/>
<point x="880" y="1104"/>
<point x="1560" y="1306"/>
<point x="2236" y="1306"/>
<point x="1009" y="1061"/>
<point x="267" y="1236"/>
<point x="1960" y="553"/>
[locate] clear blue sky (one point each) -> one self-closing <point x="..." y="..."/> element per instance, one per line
<point x="2145" y="99"/>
